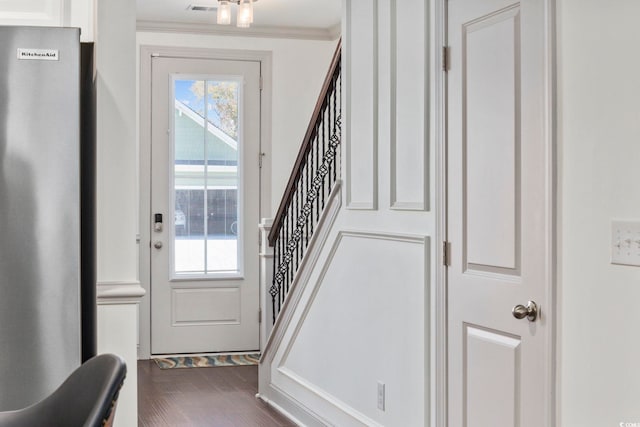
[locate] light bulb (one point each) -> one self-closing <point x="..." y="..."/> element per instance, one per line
<point x="224" y="13"/>
<point x="245" y="14"/>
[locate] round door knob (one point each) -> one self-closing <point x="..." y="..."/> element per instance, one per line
<point x="530" y="311"/>
<point x="157" y="244"/>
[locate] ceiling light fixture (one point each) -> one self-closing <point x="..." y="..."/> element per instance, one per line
<point x="244" y="16"/>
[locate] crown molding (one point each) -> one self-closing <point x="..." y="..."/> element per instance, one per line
<point x="331" y="33"/>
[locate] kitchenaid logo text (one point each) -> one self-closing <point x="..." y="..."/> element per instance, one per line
<point x="40" y="54"/>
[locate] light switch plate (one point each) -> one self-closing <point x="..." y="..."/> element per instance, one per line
<point x="625" y="242"/>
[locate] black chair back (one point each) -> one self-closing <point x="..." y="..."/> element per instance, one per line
<point x="87" y="398"/>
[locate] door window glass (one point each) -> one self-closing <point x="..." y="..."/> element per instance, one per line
<point x="207" y="188"/>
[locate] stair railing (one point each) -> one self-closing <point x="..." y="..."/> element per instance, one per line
<point x="313" y="178"/>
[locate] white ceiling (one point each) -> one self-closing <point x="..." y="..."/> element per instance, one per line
<point x="316" y="14"/>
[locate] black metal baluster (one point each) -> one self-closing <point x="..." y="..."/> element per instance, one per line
<point x="297" y="228"/>
<point x="290" y="247"/>
<point x="310" y="197"/>
<point x="298" y="215"/>
<point x="275" y="291"/>
<point x="280" y="261"/>
<point x="319" y="172"/>
<point x="294" y="247"/>
<point x="317" y="177"/>
<point x="328" y="149"/>
<point x="299" y="222"/>
<point x="340" y="119"/>
<point x="335" y="127"/>
<point x="286" y="253"/>
<point x="306" y="218"/>
<point x="273" y="284"/>
<point x="282" y="256"/>
<point x="340" y="112"/>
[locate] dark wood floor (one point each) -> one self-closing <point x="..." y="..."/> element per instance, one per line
<point x="216" y="397"/>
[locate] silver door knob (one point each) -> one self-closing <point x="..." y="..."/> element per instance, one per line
<point x="530" y="311"/>
<point x="157" y="244"/>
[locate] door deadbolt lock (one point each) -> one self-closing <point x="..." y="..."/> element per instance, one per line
<point x="530" y="311"/>
<point x="157" y="222"/>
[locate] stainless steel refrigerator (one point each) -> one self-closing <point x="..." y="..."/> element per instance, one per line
<point x="47" y="266"/>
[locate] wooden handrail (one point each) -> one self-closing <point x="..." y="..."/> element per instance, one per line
<point x="301" y="160"/>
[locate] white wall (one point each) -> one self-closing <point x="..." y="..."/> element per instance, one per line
<point x="116" y="141"/>
<point x="599" y="142"/>
<point x="299" y="68"/>
<point x="117" y="334"/>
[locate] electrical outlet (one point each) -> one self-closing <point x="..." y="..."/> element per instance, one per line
<point x="625" y="242"/>
<point x="381" y="395"/>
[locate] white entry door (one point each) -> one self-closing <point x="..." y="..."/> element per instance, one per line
<point x="205" y="185"/>
<point x="499" y="214"/>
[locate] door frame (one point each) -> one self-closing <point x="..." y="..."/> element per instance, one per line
<point x="147" y="52"/>
<point x="439" y="133"/>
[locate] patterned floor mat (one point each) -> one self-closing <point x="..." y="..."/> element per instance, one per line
<point x="207" y="361"/>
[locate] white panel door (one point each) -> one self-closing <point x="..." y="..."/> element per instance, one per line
<point x="205" y="185"/>
<point x="498" y="214"/>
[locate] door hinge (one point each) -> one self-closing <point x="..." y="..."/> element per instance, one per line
<point x="261" y="83"/>
<point x="446" y="254"/>
<point x="259" y="315"/>
<point x="445" y="58"/>
<point x="260" y="156"/>
<point x="259" y="237"/>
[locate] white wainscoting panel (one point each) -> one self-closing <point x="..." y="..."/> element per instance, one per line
<point x="361" y="135"/>
<point x="366" y="321"/>
<point x="117" y="329"/>
<point x="409" y="98"/>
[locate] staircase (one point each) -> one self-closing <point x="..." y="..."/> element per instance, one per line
<point x="314" y="177"/>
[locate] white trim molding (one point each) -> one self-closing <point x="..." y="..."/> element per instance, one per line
<point x="119" y="293"/>
<point x="266" y="277"/>
<point x="350" y="415"/>
<point x="438" y="134"/>
<point x="409" y="133"/>
<point x="552" y="214"/>
<point x="331" y="33"/>
<point x="364" y="169"/>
